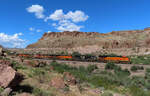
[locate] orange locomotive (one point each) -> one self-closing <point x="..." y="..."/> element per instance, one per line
<point x="24" y="55"/>
<point x="116" y="59"/>
<point x="64" y="57"/>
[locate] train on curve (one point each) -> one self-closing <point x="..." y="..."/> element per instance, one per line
<point x="87" y="58"/>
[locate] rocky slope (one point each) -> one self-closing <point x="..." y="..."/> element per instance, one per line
<point x="115" y="39"/>
<point x="94" y="40"/>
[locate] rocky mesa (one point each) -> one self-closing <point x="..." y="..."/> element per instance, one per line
<point x="129" y="39"/>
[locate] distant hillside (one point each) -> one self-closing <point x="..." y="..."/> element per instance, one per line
<point x="95" y="41"/>
<point x="115" y="39"/>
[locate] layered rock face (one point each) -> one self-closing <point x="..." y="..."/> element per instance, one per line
<point x="90" y="42"/>
<point x="115" y="39"/>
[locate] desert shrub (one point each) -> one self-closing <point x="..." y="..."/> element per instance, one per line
<point x="91" y="68"/>
<point x="106" y="79"/>
<point x="147" y="70"/>
<point x="15" y="65"/>
<point x="107" y="93"/>
<point x="147" y="73"/>
<point x="40" y="92"/>
<point x="137" y="81"/>
<point x="1" y="89"/>
<point x="110" y="66"/>
<point x="122" y="73"/>
<point x="140" y="59"/>
<point x="136" y="91"/>
<point x="135" y="68"/>
<point x="76" y="54"/>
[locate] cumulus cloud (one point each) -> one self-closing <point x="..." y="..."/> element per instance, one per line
<point x="12" y="41"/>
<point x="57" y="15"/>
<point x="32" y="29"/>
<point x="67" y="22"/>
<point x="77" y="16"/>
<point x="38" y="10"/>
<point x="63" y="22"/>
<point x="66" y="25"/>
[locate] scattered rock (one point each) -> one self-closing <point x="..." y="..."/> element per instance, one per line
<point x="57" y="82"/>
<point x="70" y="79"/>
<point x="6" y="92"/>
<point x="7" y="74"/>
<point x="24" y="94"/>
<point x="32" y="63"/>
<point x="5" y="62"/>
<point x="51" y="68"/>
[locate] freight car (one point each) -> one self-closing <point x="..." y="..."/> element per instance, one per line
<point x="88" y="58"/>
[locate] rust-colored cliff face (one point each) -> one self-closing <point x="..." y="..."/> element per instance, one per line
<point x="115" y="39"/>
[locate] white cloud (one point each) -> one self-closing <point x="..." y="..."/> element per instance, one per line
<point x="49" y="31"/>
<point x="32" y="29"/>
<point x="67" y="22"/>
<point x="12" y="41"/>
<point x="57" y="15"/>
<point x="63" y="22"/>
<point x="54" y="24"/>
<point x="38" y="10"/>
<point x="76" y="16"/>
<point x="66" y="25"/>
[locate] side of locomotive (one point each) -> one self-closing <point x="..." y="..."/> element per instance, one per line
<point x="115" y="59"/>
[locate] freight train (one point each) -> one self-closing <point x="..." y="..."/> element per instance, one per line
<point x="88" y="58"/>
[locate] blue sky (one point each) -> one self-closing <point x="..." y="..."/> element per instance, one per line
<point x="23" y="22"/>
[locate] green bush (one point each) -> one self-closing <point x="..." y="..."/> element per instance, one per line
<point x="76" y="54"/>
<point x="122" y="73"/>
<point x="1" y="89"/>
<point x="148" y="70"/>
<point x="91" y="68"/>
<point x="107" y="94"/>
<point x="135" y="68"/>
<point x="140" y="59"/>
<point x="16" y="65"/>
<point x="110" y="66"/>
<point x="40" y="92"/>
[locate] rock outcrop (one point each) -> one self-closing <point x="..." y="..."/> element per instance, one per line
<point x="117" y="42"/>
<point x="7" y="74"/>
<point x="57" y="82"/>
<point x="115" y="39"/>
<point x="70" y="79"/>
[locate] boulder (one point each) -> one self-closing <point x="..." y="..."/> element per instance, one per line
<point x="70" y="79"/>
<point x="7" y="74"/>
<point x="57" y="82"/>
<point x="5" y="62"/>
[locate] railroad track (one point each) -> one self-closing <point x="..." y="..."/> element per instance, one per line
<point x="92" y="62"/>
